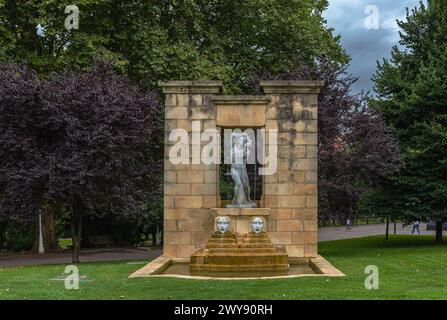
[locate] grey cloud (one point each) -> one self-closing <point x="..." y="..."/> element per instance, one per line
<point x="366" y="46"/>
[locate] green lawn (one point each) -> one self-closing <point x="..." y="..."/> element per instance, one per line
<point x="410" y="268"/>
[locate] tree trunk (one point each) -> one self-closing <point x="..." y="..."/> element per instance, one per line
<point x="161" y="232"/>
<point x="2" y="236"/>
<point x="387" y="228"/>
<point x="439" y="226"/>
<point x="76" y="231"/>
<point x="395" y="227"/>
<point x="49" y="234"/>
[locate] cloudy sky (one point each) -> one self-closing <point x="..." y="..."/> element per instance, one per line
<point x="367" y="45"/>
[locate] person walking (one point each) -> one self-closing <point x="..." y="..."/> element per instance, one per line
<point x="348" y="224"/>
<point x="416" y="227"/>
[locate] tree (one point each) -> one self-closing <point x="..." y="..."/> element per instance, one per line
<point x="153" y="40"/>
<point x="184" y="40"/>
<point x="412" y="95"/>
<point x="79" y="140"/>
<point x="104" y="127"/>
<point x="23" y="144"/>
<point x="356" y="149"/>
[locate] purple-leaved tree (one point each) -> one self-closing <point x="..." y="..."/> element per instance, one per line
<point x="356" y="148"/>
<point x="85" y="141"/>
<point x="23" y="144"/>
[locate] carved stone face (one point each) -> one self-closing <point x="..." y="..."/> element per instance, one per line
<point x="222" y="224"/>
<point x="257" y="225"/>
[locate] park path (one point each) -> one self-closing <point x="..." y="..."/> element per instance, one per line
<point x="338" y="233"/>
<point x="129" y="254"/>
<point x="87" y="255"/>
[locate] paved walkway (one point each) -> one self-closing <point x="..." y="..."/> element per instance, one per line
<point x="87" y="255"/>
<point x="338" y="233"/>
<point x="128" y="254"/>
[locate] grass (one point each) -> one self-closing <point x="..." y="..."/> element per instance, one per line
<point x="411" y="267"/>
<point x="65" y="243"/>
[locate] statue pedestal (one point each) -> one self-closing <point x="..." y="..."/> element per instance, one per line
<point x="240" y="217"/>
<point x="252" y="205"/>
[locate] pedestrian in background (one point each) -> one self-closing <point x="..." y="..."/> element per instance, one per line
<point x="348" y="224"/>
<point x="416" y="227"/>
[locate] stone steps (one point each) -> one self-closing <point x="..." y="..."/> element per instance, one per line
<point x="240" y="259"/>
<point x="248" y="252"/>
<point x="242" y="250"/>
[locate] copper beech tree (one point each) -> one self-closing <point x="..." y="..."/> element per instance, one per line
<point x="85" y="141"/>
<point x="357" y="151"/>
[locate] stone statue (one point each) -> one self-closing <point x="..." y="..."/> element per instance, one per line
<point x="257" y="225"/>
<point x="240" y="151"/>
<point x="222" y="224"/>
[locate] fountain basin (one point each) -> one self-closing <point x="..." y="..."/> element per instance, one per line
<point x="183" y="270"/>
<point x="166" y="267"/>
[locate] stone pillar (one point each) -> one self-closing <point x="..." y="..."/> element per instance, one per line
<point x="292" y="191"/>
<point x="189" y="189"/>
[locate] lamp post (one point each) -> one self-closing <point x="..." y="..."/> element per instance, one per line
<point x="41" y="249"/>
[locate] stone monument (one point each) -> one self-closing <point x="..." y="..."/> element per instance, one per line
<point x="284" y="222"/>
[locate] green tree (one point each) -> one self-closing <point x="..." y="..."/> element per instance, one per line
<point x="152" y="40"/>
<point x="412" y="95"/>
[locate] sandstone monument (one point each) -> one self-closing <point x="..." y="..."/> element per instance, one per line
<point x="289" y="200"/>
<point x="280" y="226"/>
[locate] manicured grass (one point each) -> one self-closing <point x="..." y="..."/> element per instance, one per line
<point x="411" y="267"/>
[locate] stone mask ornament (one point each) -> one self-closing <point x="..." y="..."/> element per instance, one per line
<point x="257" y="225"/>
<point x="222" y="224"/>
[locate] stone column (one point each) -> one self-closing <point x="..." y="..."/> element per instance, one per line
<point x="292" y="191"/>
<point x="189" y="189"/>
